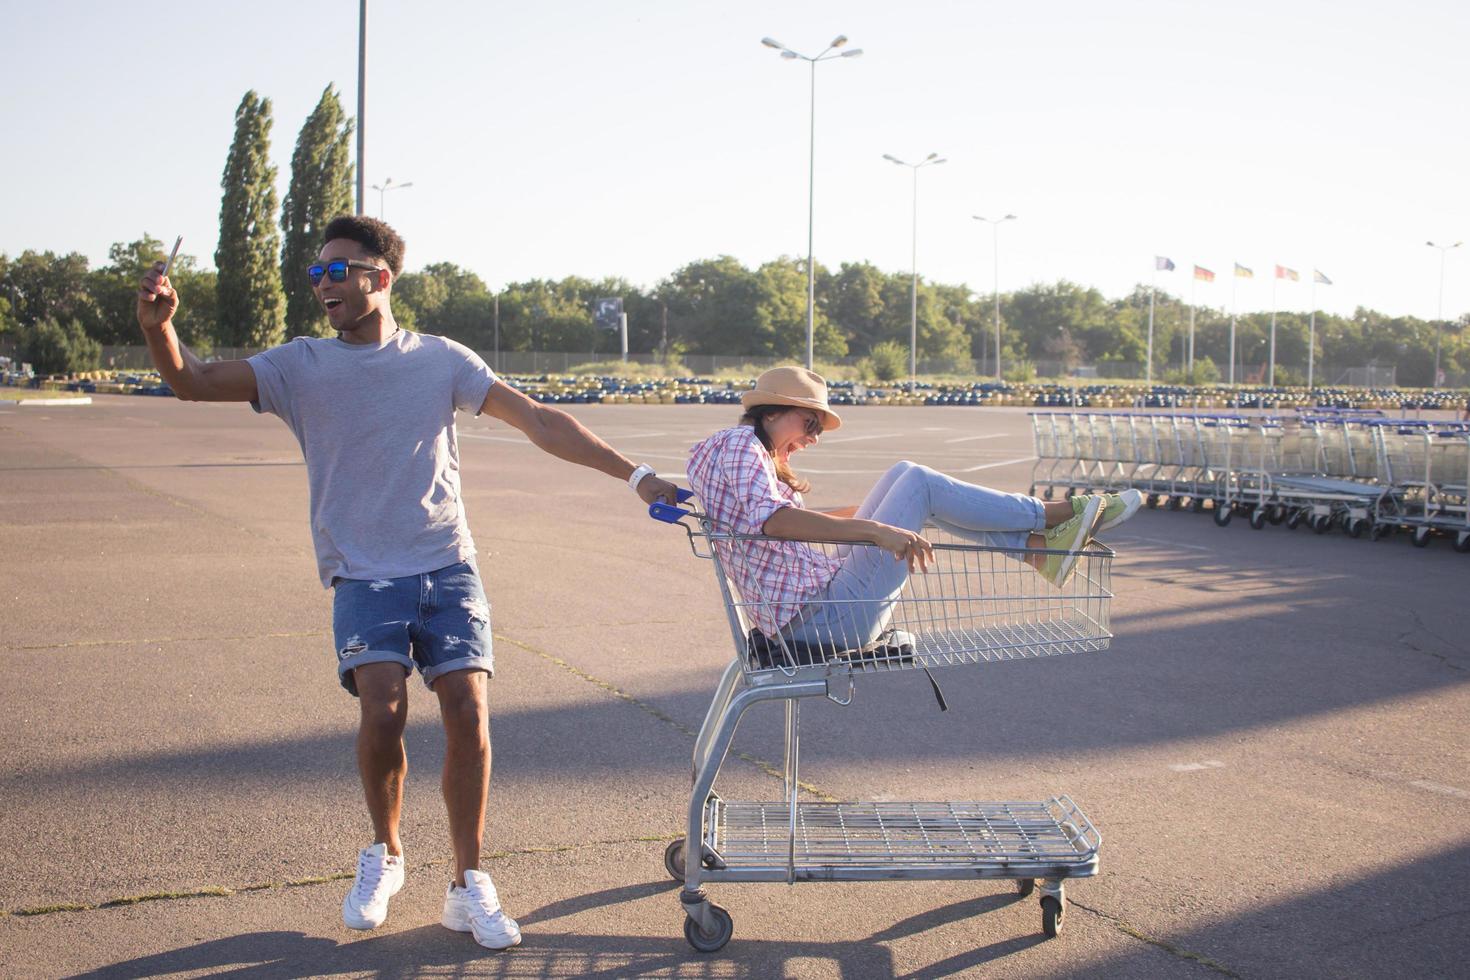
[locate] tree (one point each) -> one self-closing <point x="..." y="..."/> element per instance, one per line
<point x="53" y="349"/>
<point x="251" y="304"/>
<point x="114" y="288"/>
<point x="712" y="307"/>
<point x="321" y="189"/>
<point x="780" y="314"/>
<point x="447" y="300"/>
<point x="42" y="285"/>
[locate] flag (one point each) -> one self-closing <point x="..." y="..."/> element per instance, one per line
<point x="1243" y="272"/>
<point x="1203" y="274"/>
<point x="1317" y="276"/>
<point x="1163" y="264"/>
<point x="1282" y="272"/>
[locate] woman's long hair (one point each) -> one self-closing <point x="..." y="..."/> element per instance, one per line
<point x="755" y="417"/>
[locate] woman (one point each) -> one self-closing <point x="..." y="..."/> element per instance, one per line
<point x="744" y="479"/>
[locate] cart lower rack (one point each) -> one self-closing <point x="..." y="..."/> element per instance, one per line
<point x="976" y="605"/>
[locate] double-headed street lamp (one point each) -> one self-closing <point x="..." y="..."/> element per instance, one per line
<point x="995" y="224"/>
<point x="384" y="188"/>
<point x="932" y="159"/>
<point x="1439" y="324"/>
<point x="826" y="55"/>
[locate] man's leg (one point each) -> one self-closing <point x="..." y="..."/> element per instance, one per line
<point x="466" y="780"/>
<point x="381" y="760"/>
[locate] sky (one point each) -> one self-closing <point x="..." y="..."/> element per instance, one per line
<point x="629" y="138"/>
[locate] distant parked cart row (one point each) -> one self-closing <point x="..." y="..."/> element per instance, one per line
<point x="1358" y="471"/>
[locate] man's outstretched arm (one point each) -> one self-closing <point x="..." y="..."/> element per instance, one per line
<point x="557" y="433"/>
<point x="190" y="378"/>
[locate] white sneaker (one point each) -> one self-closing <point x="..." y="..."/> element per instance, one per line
<point x="379" y="877"/>
<point x="476" y="908"/>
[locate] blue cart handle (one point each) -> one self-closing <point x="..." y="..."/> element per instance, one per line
<point x="668" y="513"/>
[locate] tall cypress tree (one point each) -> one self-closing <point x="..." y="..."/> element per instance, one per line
<point x="321" y="189"/>
<point x="251" y="305"/>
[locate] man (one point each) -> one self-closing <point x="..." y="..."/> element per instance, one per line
<point x="373" y="410"/>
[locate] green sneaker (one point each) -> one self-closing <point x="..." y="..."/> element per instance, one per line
<point x="1118" y="507"/>
<point x="1068" y="538"/>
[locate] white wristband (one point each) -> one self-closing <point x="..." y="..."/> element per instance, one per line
<point x="638" y="474"/>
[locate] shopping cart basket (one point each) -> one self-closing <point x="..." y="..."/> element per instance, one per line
<point x="975" y="605"/>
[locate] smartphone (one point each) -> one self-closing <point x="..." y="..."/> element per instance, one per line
<point x="173" y="255"/>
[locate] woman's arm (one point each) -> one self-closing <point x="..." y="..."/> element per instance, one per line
<point x="798" y="524"/>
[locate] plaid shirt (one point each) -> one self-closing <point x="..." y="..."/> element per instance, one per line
<point x="735" y="478"/>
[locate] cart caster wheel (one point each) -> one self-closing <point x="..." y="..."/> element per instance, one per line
<point x="1025" y="886"/>
<point x="1197" y="505"/>
<point x="1174" y="503"/>
<point x="1356" y="527"/>
<point x="674" y="859"/>
<point x="1277" y="514"/>
<point x="1294" y="521"/>
<point x="1381" y="531"/>
<point x="709" y="942"/>
<point x="1421" y="537"/>
<point x="1051" y="916"/>
<point x="1320" y="523"/>
<point x="1153" y="501"/>
<point x="1046" y="494"/>
<point x="1222" y="514"/>
<point x="1258" y="519"/>
<point x="1462" y="544"/>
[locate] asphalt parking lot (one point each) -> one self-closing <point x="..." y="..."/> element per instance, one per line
<point x="1274" y="749"/>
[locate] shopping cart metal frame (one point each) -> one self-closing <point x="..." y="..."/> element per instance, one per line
<point x="1038" y="844"/>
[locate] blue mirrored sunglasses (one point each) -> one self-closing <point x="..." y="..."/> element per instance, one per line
<point x="336" y="271"/>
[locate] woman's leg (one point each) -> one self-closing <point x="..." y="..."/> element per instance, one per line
<point x="858" y="602"/>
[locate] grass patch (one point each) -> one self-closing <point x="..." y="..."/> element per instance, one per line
<point x="24" y="394"/>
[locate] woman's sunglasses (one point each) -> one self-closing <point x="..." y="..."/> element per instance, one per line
<point x="812" y="424"/>
<point x="336" y="271"/>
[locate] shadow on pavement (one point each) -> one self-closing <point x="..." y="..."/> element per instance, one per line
<point x="434" y="951"/>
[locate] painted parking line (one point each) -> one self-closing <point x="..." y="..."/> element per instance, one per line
<point x="846" y="439"/>
<point x="991" y="466"/>
<point x="1174" y="544"/>
<point x="992" y="435"/>
<point x="1441" y="788"/>
<point x="1197" y="766"/>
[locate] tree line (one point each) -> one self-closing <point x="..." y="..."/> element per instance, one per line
<point x="59" y="312"/>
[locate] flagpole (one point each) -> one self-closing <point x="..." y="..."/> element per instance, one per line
<point x="1312" y="331"/>
<point x="1189" y="367"/>
<point x="1271" y="370"/>
<point x="1148" y="376"/>
<point x="1234" y="282"/>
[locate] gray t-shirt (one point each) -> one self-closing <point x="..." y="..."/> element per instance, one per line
<point x="376" y="425"/>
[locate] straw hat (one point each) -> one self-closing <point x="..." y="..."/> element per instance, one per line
<point x="793" y="386"/>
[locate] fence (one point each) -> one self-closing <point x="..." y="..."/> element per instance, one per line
<point x="135" y="358"/>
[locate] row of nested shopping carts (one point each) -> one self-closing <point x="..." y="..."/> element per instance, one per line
<point x="1359" y="471"/>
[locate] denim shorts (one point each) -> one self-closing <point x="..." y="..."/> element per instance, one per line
<point x="438" y="622"/>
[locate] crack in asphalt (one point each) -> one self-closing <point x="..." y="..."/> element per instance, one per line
<point x="1419" y="627"/>
<point x="221" y="891"/>
<point x="1168" y="947"/>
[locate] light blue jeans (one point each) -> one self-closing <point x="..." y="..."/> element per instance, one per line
<point x="854" y="608"/>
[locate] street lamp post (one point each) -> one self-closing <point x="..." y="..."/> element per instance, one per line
<point x="1439" y="317"/>
<point x="995" y="224"/>
<point x="811" y="287"/>
<point x="361" y="98"/>
<point x="932" y="159"/>
<point x="384" y="188"/>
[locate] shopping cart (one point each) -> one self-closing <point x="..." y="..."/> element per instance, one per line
<point x="975" y="605"/>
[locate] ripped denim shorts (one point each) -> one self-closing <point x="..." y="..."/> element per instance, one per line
<point x="438" y="622"/>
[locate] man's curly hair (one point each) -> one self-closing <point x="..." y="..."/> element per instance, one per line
<point x="374" y="235"/>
